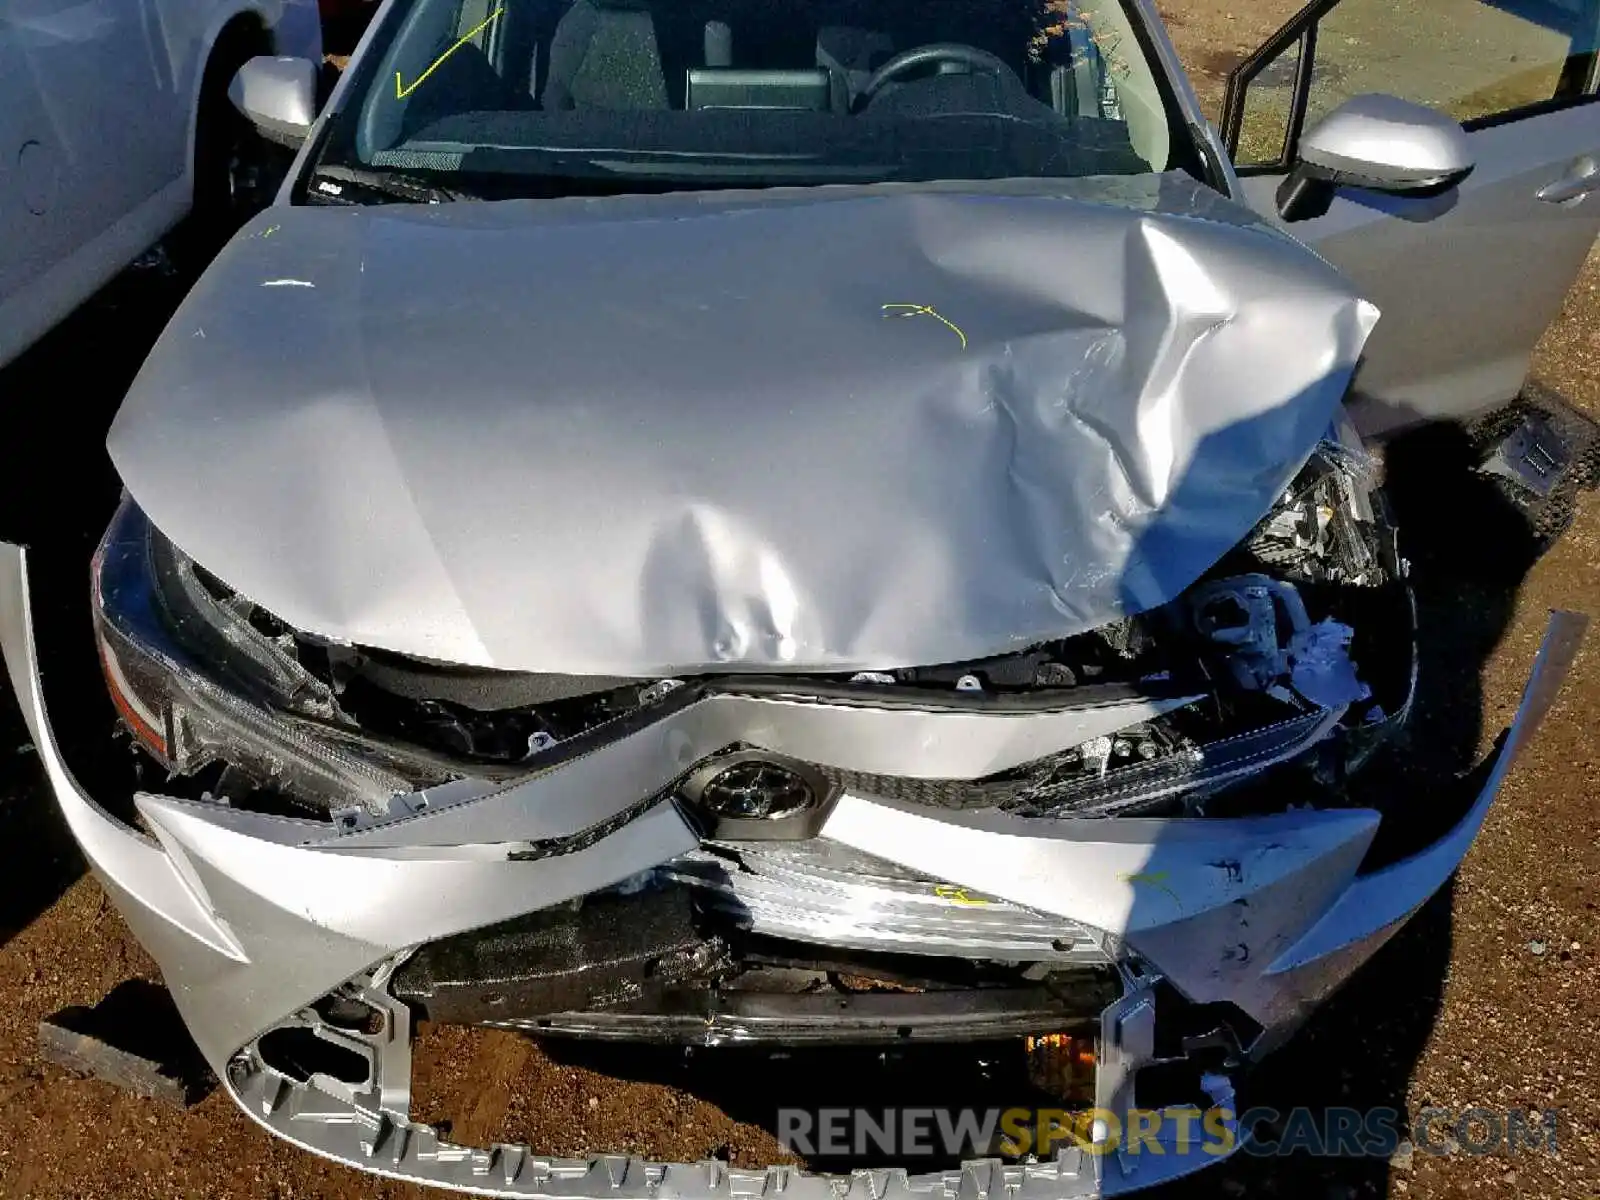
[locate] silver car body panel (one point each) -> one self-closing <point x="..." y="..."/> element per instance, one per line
<point x="73" y="213"/>
<point x="1119" y="374"/>
<point x="253" y="917"/>
<point x="1396" y="140"/>
<point x="1467" y="281"/>
<point x="278" y="95"/>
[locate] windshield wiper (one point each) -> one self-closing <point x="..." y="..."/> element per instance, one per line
<point x="338" y="184"/>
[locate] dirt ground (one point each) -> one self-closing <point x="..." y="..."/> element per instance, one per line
<point x="1490" y="998"/>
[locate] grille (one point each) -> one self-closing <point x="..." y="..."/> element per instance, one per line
<point x="825" y="894"/>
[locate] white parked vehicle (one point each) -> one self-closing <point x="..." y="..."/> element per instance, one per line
<point x="114" y="123"/>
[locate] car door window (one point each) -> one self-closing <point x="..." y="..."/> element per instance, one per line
<point x="1480" y="61"/>
<point x="1263" y="130"/>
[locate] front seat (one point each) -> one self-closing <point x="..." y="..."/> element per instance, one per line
<point x="604" y="56"/>
<point x="850" y="56"/>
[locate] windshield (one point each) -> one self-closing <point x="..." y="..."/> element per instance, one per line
<point x="533" y="97"/>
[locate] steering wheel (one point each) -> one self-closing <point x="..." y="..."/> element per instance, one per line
<point x="933" y="52"/>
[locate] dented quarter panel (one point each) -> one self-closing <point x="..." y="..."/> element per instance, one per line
<point x="834" y="429"/>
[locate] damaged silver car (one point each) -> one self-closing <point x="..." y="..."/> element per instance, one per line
<point x="733" y="523"/>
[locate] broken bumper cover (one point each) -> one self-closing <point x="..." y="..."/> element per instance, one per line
<point x="252" y="918"/>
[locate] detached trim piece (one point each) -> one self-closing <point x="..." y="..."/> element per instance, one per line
<point x="377" y="1143"/>
<point x="367" y="1126"/>
<point x="1389" y="896"/>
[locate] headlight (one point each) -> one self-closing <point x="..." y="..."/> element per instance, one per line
<point x="190" y="679"/>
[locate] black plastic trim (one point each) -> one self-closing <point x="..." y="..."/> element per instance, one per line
<point x="899" y="696"/>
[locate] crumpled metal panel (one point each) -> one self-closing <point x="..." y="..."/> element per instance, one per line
<point x="829" y="429"/>
<point x="251" y="915"/>
<point x="821" y="892"/>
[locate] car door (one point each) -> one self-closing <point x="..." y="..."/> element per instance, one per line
<point x="92" y="126"/>
<point x="1466" y="281"/>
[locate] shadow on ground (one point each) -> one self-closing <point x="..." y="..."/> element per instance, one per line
<point x="1470" y="550"/>
<point x="57" y="492"/>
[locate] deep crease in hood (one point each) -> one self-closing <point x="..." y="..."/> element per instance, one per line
<point x="825" y="429"/>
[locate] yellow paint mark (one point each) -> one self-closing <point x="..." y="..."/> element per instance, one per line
<point x="1156" y="879"/>
<point x="925" y="310"/>
<point x="269" y="231"/>
<point x="401" y="91"/>
<point x="959" y="895"/>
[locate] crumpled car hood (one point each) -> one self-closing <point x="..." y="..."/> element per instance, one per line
<point x="824" y="429"/>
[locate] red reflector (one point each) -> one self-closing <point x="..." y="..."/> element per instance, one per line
<point x="145" y="725"/>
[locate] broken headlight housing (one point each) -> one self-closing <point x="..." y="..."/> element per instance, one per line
<point x="217" y="689"/>
<point x="197" y="684"/>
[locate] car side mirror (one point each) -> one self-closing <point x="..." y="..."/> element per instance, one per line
<point x="1377" y="142"/>
<point x="278" y="96"/>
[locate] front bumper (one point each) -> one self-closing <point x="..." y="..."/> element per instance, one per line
<point x="252" y="918"/>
